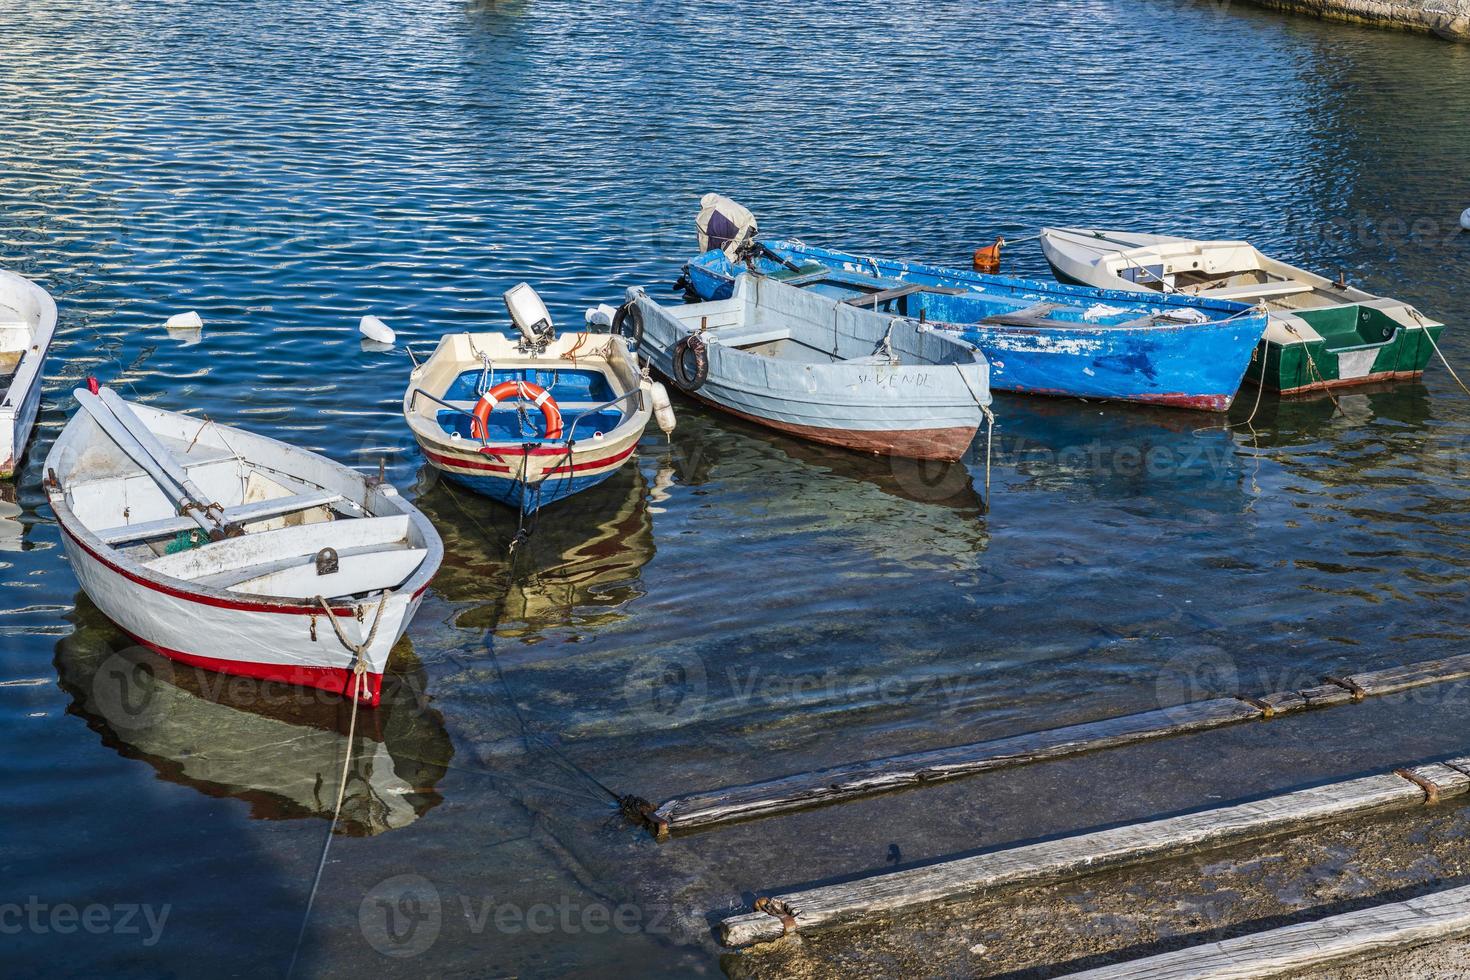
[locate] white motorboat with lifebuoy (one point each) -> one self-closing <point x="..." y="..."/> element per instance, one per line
<point x="532" y="419"/>
<point x="27" y="323"/>
<point x="231" y="551"/>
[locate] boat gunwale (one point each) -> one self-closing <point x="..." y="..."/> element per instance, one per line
<point x="28" y="371"/>
<point x="1276" y="315"/>
<point x="629" y="429"/>
<point x="140" y="574"/>
<point x="851" y="262"/>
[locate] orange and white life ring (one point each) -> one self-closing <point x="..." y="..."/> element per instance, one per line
<point x="525" y="390"/>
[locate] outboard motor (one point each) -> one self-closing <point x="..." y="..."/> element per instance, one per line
<point x="530" y="316"/>
<point x="724" y="224"/>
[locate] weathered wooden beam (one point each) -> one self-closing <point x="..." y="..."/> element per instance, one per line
<point x="895" y="772"/>
<point x="1277" y="952"/>
<point x="1052" y="861"/>
<point x="869" y="777"/>
<point x="1395" y="679"/>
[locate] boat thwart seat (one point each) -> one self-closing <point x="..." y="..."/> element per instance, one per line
<point x="748" y="337"/>
<point x="1259" y="290"/>
<point x="898" y="292"/>
<point x="283" y="561"/>
<point x="1036" y="315"/>
<point x="243" y="514"/>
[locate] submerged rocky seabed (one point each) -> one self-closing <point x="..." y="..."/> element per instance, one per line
<point x="736" y="606"/>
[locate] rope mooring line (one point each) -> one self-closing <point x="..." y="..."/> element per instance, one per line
<point x="989" y="432"/>
<point x="635" y="808"/>
<point x="359" y="669"/>
<point x="1442" y="359"/>
<point x="1312" y="364"/>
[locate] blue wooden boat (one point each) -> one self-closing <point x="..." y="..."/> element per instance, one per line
<point x="534" y="419"/>
<point x="1040" y="337"/>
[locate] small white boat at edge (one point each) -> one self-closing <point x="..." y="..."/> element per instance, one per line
<point x="1320" y="333"/>
<point x="224" y="549"/>
<point x="27" y="324"/>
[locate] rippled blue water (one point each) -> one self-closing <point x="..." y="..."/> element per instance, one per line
<point x="738" y="605"/>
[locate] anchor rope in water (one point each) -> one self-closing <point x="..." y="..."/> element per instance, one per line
<point x="359" y="668"/>
<point x="528" y="735"/>
<point x="1442" y="359"/>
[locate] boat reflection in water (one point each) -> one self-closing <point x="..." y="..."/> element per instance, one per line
<point x="1400" y="409"/>
<point x="578" y="571"/>
<point x="12" y="531"/>
<point x="1119" y="454"/>
<point x="902" y="510"/>
<point x="277" y="746"/>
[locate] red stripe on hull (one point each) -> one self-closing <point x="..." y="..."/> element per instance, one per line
<point x="1349" y="382"/>
<point x="201" y="599"/>
<point x="473" y="464"/>
<point x="337" y="680"/>
<point x="1201" y="403"/>
<point x="946" y="445"/>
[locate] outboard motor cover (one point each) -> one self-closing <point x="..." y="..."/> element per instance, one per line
<point x="724" y="224"/>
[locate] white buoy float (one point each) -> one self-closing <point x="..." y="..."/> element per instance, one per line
<point x="663" y="408"/>
<point x="601" y="315"/>
<point x="186" y="328"/>
<point x="1465" y="219"/>
<point x="376" y="330"/>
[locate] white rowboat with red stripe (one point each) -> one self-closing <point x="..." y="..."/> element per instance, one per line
<point x="306" y="535"/>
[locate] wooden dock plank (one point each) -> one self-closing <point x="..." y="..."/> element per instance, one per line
<point x="1385" y="928"/>
<point x="1442" y="778"/>
<point x="1071" y="857"/>
<point x="1395" y="679"/>
<point x="866" y="778"/>
<point x="896" y="772"/>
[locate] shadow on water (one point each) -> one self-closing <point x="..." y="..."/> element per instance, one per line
<point x="275" y="746"/>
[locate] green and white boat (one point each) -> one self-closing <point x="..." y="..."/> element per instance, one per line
<point x="1321" y="333"/>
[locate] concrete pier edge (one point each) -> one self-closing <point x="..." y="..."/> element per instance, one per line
<point x="1449" y="19"/>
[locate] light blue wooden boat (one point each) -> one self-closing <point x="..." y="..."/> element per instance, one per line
<point x="811" y="366"/>
<point x="1039" y="337"/>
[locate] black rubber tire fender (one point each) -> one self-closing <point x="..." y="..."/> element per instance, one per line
<point x="691" y="362"/>
<point x="628" y="322"/>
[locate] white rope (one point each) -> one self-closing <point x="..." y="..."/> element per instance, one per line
<point x="1260" y="388"/>
<point x="989" y="430"/>
<point x="1442" y="359"/>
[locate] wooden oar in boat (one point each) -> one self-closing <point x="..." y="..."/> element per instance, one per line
<point x="142" y="447"/>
